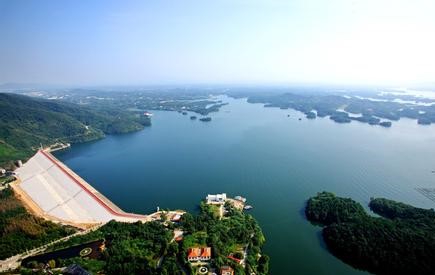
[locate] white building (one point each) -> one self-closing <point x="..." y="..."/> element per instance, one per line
<point x="216" y="199"/>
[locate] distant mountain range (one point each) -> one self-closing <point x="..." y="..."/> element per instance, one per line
<point x="24" y="86"/>
<point x="27" y="122"/>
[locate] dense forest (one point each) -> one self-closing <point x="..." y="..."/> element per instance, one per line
<point x="148" y="248"/>
<point x="401" y="241"/>
<point x="27" y="122"/>
<point x="21" y="231"/>
<point x="131" y="248"/>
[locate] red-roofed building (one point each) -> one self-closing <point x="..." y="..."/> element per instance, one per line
<point x="198" y="254"/>
<point x="231" y="257"/>
<point x="206" y="253"/>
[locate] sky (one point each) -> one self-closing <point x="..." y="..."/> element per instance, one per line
<point x="388" y="42"/>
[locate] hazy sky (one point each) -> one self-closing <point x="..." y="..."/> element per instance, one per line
<point x="220" y="41"/>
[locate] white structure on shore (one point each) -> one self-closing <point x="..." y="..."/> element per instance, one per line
<point x="240" y="198"/>
<point x="216" y="199"/>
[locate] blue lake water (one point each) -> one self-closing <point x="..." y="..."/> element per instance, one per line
<point x="276" y="161"/>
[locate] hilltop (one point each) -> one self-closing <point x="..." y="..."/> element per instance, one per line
<point x="27" y="122"/>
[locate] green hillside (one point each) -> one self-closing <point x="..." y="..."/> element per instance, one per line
<point x="401" y="240"/>
<point x="27" y="122"/>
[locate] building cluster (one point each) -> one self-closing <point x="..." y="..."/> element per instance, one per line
<point x="203" y="254"/>
<point x="164" y="216"/>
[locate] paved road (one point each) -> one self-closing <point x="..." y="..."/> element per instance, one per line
<point x="14" y="262"/>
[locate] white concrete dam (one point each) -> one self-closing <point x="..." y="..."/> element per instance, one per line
<point x="63" y="195"/>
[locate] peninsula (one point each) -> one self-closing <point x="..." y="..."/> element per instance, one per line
<point x="400" y="241"/>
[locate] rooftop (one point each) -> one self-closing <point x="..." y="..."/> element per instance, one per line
<point x="196" y="252"/>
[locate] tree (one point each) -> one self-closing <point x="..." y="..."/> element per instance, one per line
<point x="263" y="264"/>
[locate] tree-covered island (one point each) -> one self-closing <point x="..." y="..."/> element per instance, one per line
<point x="365" y="106"/>
<point x="400" y="241"/>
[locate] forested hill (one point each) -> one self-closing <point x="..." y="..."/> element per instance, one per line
<point x="400" y="241"/>
<point x="27" y="122"/>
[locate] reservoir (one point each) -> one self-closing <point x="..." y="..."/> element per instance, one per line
<point x="274" y="160"/>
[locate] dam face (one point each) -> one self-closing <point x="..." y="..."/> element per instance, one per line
<point x="61" y="195"/>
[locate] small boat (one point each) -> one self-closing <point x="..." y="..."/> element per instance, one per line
<point x="240" y="198"/>
<point x="248" y="207"/>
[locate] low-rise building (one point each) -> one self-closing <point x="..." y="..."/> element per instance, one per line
<point x="237" y="260"/>
<point x="216" y="199"/>
<point x="227" y="270"/>
<point x="198" y="254"/>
